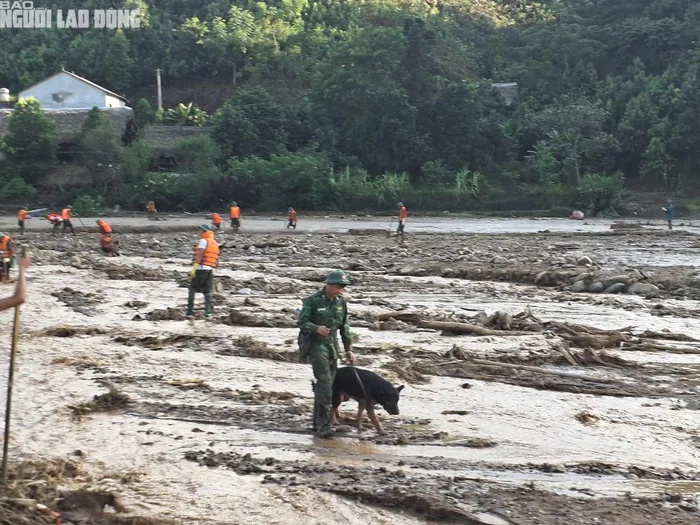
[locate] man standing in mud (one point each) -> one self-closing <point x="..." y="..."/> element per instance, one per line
<point x="403" y="215"/>
<point x="322" y="316"/>
<point x="669" y="213"/>
<point x="206" y="255"/>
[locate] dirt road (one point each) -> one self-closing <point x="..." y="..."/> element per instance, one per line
<point x="525" y="401"/>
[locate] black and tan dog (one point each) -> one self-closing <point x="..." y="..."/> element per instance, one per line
<point x="369" y="391"/>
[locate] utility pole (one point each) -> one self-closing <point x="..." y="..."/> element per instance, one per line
<point x="234" y="74"/>
<point x="160" y="91"/>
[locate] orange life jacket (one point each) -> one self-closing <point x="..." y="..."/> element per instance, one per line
<point x="215" y="218"/>
<point x="211" y="252"/>
<point x="293" y="215"/>
<point x="403" y="213"/>
<point x="235" y="212"/>
<point x="7" y="247"/>
<point x="151" y="206"/>
<point x="22" y="214"/>
<point x="104" y="227"/>
<point x="65" y="214"/>
<point x="105" y="240"/>
<point x="53" y="217"/>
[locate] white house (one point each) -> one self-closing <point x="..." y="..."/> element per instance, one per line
<point x="66" y="90"/>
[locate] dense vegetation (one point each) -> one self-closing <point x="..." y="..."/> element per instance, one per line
<point x="356" y="103"/>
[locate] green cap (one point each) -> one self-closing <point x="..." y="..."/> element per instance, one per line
<point x="290" y="209"/>
<point x="204" y="227"/>
<point x="337" y="277"/>
<point x="234" y="203"/>
<point x="400" y="204"/>
<point x="26" y="208"/>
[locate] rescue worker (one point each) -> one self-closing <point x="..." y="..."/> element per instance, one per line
<point x="22" y="215"/>
<point x="20" y="294"/>
<point x="111" y="248"/>
<point x="323" y="315"/>
<point x="151" y="208"/>
<point x="235" y="213"/>
<point x="292" y="217"/>
<point x="669" y="213"/>
<point x="216" y="220"/>
<point x="66" y="216"/>
<point x="206" y="256"/>
<point x="403" y="215"/>
<point x="103" y="226"/>
<point x="7" y="252"/>
<point x="56" y="220"/>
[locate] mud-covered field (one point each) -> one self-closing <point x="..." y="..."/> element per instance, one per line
<point x="550" y="378"/>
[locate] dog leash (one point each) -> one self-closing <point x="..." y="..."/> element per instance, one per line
<point x="364" y="393"/>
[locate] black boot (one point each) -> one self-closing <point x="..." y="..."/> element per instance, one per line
<point x="323" y="422"/>
<point x="208" y="304"/>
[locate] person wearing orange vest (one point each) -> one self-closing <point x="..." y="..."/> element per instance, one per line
<point x="206" y="256"/>
<point x="235" y="213"/>
<point x="151" y="208"/>
<point x="22" y="215"/>
<point x="216" y="220"/>
<point x="403" y="215"/>
<point x="103" y="226"/>
<point x="56" y="220"/>
<point x="20" y="294"/>
<point x="7" y="252"/>
<point x="292" y="218"/>
<point x="66" y="215"/>
<point x="109" y="247"/>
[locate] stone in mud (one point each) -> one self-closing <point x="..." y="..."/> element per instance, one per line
<point x="643" y="289"/>
<point x="499" y="260"/>
<point x="583" y="261"/>
<point x="617" y="279"/>
<point x="579" y="286"/>
<point x="596" y="287"/>
<point x="615" y="288"/>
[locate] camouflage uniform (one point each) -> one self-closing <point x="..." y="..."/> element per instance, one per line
<point x="320" y="310"/>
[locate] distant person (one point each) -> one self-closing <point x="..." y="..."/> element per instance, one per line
<point x="7" y="252"/>
<point x="20" y="294"/>
<point x="110" y="247"/>
<point x="669" y="213"/>
<point x="206" y="256"/>
<point x="66" y="216"/>
<point x="56" y="220"/>
<point x="151" y="208"/>
<point x="216" y="220"/>
<point x="103" y="226"/>
<point x="292" y="218"/>
<point x="403" y="215"/>
<point x="22" y="215"/>
<point x="235" y="214"/>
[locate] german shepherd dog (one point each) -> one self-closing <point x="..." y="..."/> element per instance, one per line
<point x="369" y="391"/>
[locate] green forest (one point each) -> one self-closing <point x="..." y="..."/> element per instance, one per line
<point x="355" y="104"/>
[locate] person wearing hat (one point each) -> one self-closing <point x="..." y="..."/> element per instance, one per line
<point x="403" y="215"/>
<point x="235" y="213"/>
<point x="669" y="213"/>
<point x="151" y="209"/>
<point x="322" y="316"/>
<point x="206" y="256"/>
<point x="292" y="218"/>
<point x="111" y="248"/>
<point x="66" y="216"/>
<point x="22" y="215"/>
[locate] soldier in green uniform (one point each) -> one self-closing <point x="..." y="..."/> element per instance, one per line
<point x="323" y="315"/>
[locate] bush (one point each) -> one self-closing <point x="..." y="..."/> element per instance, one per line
<point x="17" y="188"/>
<point x="89" y="205"/>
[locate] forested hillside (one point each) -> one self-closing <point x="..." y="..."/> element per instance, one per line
<point x="355" y="103"/>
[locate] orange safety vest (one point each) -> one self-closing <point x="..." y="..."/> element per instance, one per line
<point x="403" y="213"/>
<point x="151" y="206"/>
<point x="235" y="212"/>
<point x="106" y="228"/>
<point x="7" y="247"/>
<point x="215" y="218"/>
<point x="53" y="217"/>
<point x="65" y="214"/>
<point x="292" y="215"/>
<point x="22" y="214"/>
<point x="105" y="240"/>
<point x="211" y="252"/>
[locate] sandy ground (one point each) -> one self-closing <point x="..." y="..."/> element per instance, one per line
<point x="532" y="405"/>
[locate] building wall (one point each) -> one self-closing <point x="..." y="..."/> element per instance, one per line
<point x="113" y="102"/>
<point x="63" y="91"/>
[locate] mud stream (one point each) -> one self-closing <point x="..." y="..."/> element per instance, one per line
<point x="528" y="399"/>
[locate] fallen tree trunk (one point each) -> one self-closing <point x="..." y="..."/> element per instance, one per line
<point x="467" y="328"/>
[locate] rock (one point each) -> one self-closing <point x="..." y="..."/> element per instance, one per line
<point x="615" y="288"/>
<point x="596" y="287"/>
<point x="245" y="291"/>
<point x="579" y="286"/>
<point x="577" y="215"/>
<point x="636" y="275"/>
<point x="617" y="279"/>
<point x="584" y="260"/>
<point x="643" y="289"/>
<point x="499" y="260"/>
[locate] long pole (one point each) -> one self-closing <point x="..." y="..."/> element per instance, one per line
<point x="10" y="379"/>
<point x="160" y="91"/>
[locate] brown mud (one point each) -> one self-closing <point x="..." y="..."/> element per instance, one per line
<point x="549" y="378"/>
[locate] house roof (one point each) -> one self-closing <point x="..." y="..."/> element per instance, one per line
<point x="70" y="73"/>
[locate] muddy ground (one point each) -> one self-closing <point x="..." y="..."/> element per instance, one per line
<point x="550" y="377"/>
